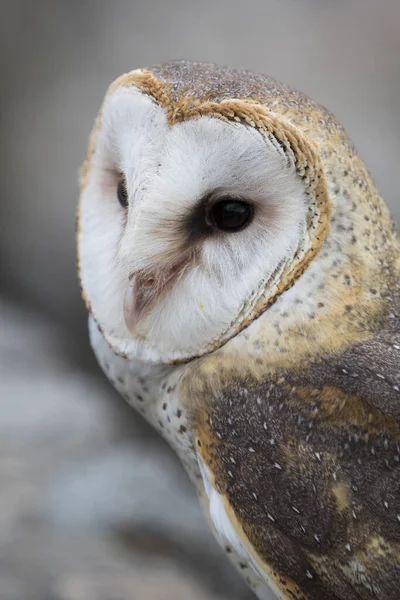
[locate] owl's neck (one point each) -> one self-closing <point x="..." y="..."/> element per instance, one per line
<point x="153" y="391"/>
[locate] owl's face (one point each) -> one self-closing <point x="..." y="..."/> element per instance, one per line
<point x="182" y="226"/>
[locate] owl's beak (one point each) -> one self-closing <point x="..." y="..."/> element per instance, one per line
<point x="143" y="291"/>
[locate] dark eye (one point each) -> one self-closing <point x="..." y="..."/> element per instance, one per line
<point x="231" y="215"/>
<point x="122" y="192"/>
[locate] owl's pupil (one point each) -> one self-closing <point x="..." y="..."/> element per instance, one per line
<point x="122" y="192"/>
<point x="231" y="215"/>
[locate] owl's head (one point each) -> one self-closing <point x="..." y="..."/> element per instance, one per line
<point x="194" y="216"/>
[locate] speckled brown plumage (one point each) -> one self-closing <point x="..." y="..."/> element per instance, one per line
<point x="309" y="462"/>
<point x="307" y="454"/>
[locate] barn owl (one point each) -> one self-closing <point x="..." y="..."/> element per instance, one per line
<point x="241" y="272"/>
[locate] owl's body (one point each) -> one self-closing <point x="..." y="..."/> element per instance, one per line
<point x="277" y="382"/>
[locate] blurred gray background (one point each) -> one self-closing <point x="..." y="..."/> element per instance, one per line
<point x="92" y="505"/>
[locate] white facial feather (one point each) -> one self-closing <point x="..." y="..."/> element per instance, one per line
<point x="168" y="170"/>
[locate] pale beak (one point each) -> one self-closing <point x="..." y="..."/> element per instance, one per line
<point x="143" y="290"/>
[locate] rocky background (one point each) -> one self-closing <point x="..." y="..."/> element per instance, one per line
<point x="93" y="506"/>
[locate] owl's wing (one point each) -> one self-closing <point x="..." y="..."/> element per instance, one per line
<point x="303" y="474"/>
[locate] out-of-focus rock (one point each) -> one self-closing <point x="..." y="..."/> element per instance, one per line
<point x="160" y="583"/>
